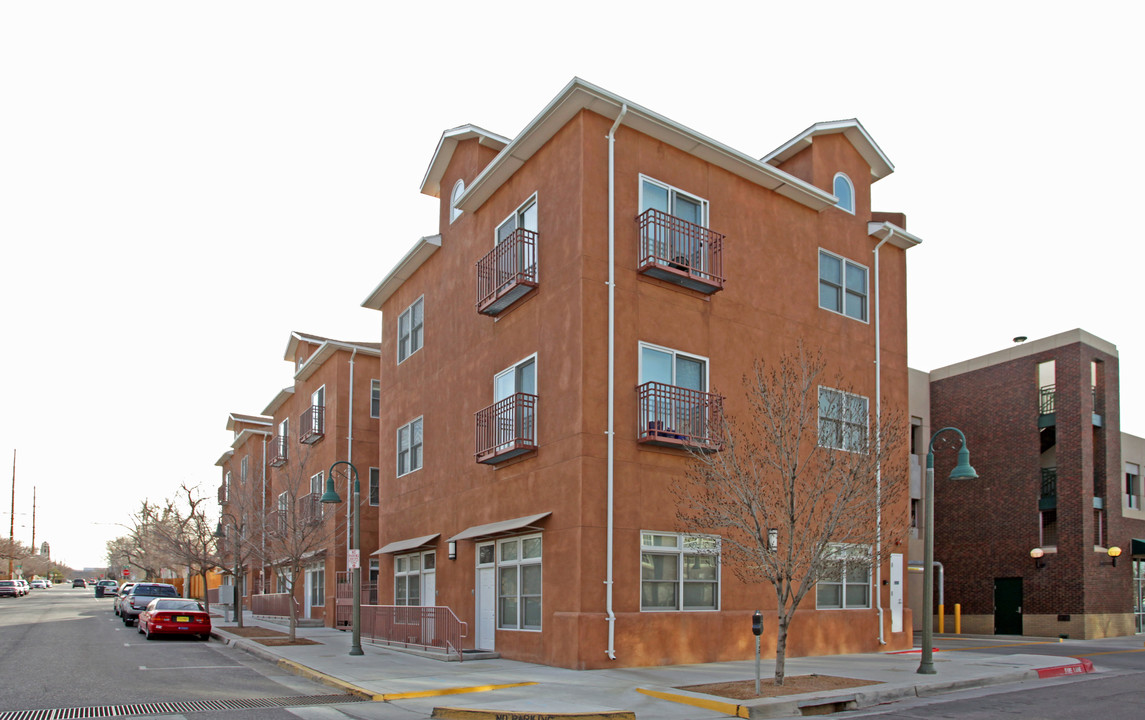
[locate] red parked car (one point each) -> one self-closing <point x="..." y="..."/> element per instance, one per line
<point x="175" y="616"/>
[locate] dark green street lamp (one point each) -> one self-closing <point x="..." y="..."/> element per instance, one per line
<point x="331" y="497"/>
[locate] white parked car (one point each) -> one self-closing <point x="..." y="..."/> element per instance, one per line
<point x="39" y="585"/>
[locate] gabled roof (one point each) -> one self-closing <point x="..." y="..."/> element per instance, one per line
<point x="431" y="183"/>
<point x="852" y="129"/>
<point x="248" y="434"/>
<point x="234" y="418"/>
<point x="580" y="95"/>
<point x="224" y="457"/>
<point x="401" y="272"/>
<point x="326" y="348"/>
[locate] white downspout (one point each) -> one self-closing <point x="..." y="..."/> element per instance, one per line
<point x="350" y="455"/>
<point x="879" y="440"/>
<point x="611" y="652"/>
<point x="262" y="535"/>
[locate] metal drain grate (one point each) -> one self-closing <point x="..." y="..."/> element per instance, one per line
<point x="177" y="708"/>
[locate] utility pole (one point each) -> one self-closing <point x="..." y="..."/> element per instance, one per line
<point x="12" y="523"/>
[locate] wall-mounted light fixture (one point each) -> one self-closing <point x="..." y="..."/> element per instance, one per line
<point x="1113" y="553"/>
<point x="1037" y="554"/>
<point x="452" y="549"/>
<point x="773" y="539"/>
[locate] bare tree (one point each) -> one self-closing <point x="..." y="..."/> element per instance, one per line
<point x="240" y="543"/>
<point x="298" y="528"/>
<point x="185" y="533"/>
<point x="803" y="486"/>
<point x="142" y="548"/>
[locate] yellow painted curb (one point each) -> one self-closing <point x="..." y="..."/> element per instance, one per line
<point x="715" y="705"/>
<point x="447" y="691"/>
<point x="447" y="713"/>
<point x="325" y="679"/>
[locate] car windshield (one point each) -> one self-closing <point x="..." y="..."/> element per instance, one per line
<point x="176" y="605"/>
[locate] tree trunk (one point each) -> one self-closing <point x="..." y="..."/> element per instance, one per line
<point x="206" y="596"/>
<point x="239" y="577"/>
<point x="293" y="606"/>
<point x="780" y="647"/>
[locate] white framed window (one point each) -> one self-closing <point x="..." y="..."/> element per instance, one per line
<point x="227" y="486"/>
<point x="411" y="329"/>
<point x="672" y="367"/>
<point x="656" y="195"/>
<point x="375" y="398"/>
<point x="517" y="420"/>
<point x="409" y="571"/>
<point x="284" y="428"/>
<point x="844" y="189"/>
<point x="1133" y="486"/>
<point x="316" y="483"/>
<point x="524" y="217"/>
<point x="842" y="286"/>
<point x="458" y="191"/>
<point x="845" y="582"/>
<point x="679" y="571"/>
<point x="409" y="447"/>
<point x="244" y="469"/>
<point x="313" y="509"/>
<point x="375" y="486"/>
<point x="316" y="585"/>
<point x="842" y="420"/>
<point x="519" y="583"/>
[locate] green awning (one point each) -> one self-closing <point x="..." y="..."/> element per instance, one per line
<point x="1138" y="547"/>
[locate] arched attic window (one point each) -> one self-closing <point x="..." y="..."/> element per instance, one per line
<point x="458" y="189"/>
<point x="845" y="191"/>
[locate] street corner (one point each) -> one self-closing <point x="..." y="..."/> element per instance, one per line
<point x="452" y="713"/>
<point x="1081" y="667"/>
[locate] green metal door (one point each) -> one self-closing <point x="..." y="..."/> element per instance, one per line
<point x="1008" y="606"/>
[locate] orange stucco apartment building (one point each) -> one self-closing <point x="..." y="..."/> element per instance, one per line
<point x="597" y="288"/>
<point x="276" y="469"/>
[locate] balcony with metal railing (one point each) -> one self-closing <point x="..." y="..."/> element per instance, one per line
<point x="507" y="273"/>
<point x="223" y="494"/>
<point x="309" y="509"/>
<point x="312" y="425"/>
<point x="678" y="417"/>
<point x="276" y="451"/>
<point x="276" y="523"/>
<point x="506" y="429"/>
<point x="680" y="252"/>
<point x="1048" y="497"/>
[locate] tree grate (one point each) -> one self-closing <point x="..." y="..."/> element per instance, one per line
<point x="177" y="708"/>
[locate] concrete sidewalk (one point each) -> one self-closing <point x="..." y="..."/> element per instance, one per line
<point x="505" y="688"/>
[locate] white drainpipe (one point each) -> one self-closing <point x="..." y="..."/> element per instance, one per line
<point x="611" y="652"/>
<point x="262" y="560"/>
<point x="350" y="456"/>
<point x="879" y="442"/>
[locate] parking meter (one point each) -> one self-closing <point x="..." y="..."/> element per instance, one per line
<point x="757" y="624"/>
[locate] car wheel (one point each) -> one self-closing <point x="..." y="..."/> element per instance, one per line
<point x="127" y="621"/>
<point x="148" y="635"/>
<point x="140" y="626"/>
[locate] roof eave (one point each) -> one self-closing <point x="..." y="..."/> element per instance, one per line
<point x="418" y="254"/>
<point x="431" y="182"/>
<point x="899" y="238"/>
<point x="282" y="396"/>
<point x="579" y="95"/>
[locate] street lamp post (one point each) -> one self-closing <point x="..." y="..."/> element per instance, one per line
<point x="961" y="471"/>
<point x="238" y="569"/>
<point x="331" y="496"/>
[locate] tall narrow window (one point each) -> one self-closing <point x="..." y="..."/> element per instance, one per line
<point x="375" y="486"/>
<point x="375" y="398"/>
<point x="244" y="467"/>
<point x="845" y="191"/>
<point x="1132" y="486"/>
<point x="519" y="583"/>
<point x="516" y="420"/>
<point x="409" y="447"/>
<point x="1048" y="528"/>
<point x="525" y="218"/>
<point x="842" y="286"/>
<point x="458" y="191"/>
<point x="411" y="329"/>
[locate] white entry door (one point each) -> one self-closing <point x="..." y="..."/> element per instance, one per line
<point x="896" y="592"/>
<point x="486" y="598"/>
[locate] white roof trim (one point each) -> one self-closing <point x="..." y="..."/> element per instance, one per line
<point x="325" y="351"/>
<point x="579" y="95"/>
<point x="403" y="545"/>
<point x="247" y="434"/>
<point x="880" y="164"/>
<point x="224" y="457"/>
<point x="401" y="272"/>
<point x="899" y="238"/>
<point x="282" y="396"/>
<point x="431" y="183"/>
<point x="499" y="528"/>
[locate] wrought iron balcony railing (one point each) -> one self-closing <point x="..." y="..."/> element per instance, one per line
<point x="276" y="451"/>
<point x="311" y="425"/>
<point x="676" y="416"/>
<point x="1048" y="495"/>
<point x="276" y="523"/>
<point x="309" y="509"/>
<point x="222" y="493"/>
<point x="680" y="252"/>
<point x="1047" y="396"/>
<point x="506" y="429"/>
<point x="507" y="273"/>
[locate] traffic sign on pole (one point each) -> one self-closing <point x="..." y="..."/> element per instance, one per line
<point x="353" y="559"/>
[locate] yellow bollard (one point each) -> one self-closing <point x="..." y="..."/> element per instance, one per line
<point x="941" y="618"/>
<point x="957" y="618"/>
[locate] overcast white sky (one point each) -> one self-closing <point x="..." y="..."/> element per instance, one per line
<point x="183" y="184"/>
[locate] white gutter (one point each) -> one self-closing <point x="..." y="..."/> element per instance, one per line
<point x="611" y="651"/>
<point x="879" y="442"/>
<point x="350" y="456"/>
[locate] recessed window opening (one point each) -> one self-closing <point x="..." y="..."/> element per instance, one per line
<point x="845" y="191"/>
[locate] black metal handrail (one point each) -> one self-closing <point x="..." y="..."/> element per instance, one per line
<point x="1049" y="482"/>
<point x="1047" y="397"/>
<point x="671" y="242"/>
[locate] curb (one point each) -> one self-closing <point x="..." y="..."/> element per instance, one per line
<point x="1082" y="666"/>
<point x="449" y="713"/>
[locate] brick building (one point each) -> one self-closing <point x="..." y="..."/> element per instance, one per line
<point x="1056" y="476"/>
<point x="627" y="270"/>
